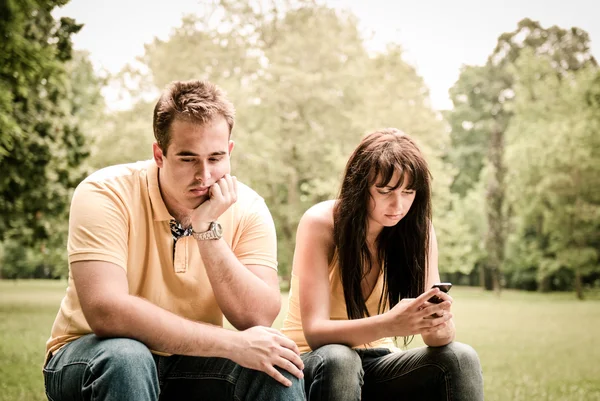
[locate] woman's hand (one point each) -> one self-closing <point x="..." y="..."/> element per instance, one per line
<point x="417" y="316"/>
<point x="446" y="305"/>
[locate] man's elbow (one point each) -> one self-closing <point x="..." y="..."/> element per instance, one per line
<point x="262" y="316"/>
<point x="104" y="320"/>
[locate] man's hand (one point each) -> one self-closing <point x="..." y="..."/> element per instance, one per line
<point x="222" y="194"/>
<point x="263" y="348"/>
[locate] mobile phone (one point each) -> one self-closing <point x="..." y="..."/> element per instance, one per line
<point x="443" y="287"/>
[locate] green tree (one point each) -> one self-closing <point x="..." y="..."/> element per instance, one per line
<point x="46" y="92"/>
<point x="302" y="102"/>
<point x="554" y="150"/>
<point x="40" y="147"/>
<point x="481" y="116"/>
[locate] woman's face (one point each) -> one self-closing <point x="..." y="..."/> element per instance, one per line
<point x="388" y="206"/>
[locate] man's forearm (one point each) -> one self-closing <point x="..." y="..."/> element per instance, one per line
<point x="133" y="317"/>
<point x="245" y="299"/>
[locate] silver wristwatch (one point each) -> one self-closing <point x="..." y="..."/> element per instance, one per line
<point x="215" y="231"/>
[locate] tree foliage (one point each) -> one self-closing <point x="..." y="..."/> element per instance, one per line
<point x="489" y="102"/>
<point x="40" y="148"/>
<point x="515" y="163"/>
<point x="555" y="175"/>
<point x="306" y="89"/>
<point x="43" y="97"/>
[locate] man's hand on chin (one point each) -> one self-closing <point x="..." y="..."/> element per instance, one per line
<point x="221" y="195"/>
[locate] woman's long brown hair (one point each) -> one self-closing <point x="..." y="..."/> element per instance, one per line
<point x="403" y="248"/>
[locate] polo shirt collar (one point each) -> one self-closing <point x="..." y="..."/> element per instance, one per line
<point x="159" y="209"/>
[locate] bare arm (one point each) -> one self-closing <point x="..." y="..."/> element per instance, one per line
<point x="247" y="295"/>
<point x="314" y="245"/>
<point x="112" y="312"/>
<point x="446" y="332"/>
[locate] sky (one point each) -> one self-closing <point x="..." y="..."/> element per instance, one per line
<point x="438" y="36"/>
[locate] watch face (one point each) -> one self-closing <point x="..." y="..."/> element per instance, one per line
<point x="217" y="229"/>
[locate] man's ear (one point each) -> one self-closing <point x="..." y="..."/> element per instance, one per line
<point x="158" y="155"/>
<point x="231" y="146"/>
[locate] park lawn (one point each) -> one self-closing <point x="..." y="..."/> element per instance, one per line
<point x="532" y="346"/>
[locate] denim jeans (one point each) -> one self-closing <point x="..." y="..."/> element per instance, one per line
<point x="121" y="369"/>
<point x="336" y="372"/>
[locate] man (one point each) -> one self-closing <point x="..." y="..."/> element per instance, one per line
<point x="159" y="251"/>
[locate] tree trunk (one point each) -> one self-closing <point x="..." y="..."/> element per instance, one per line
<point x="494" y="242"/>
<point x="496" y="282"/>
<point x="544" y="284"/>
<point x="578" y="286"/>
<point x="482" y="276"/>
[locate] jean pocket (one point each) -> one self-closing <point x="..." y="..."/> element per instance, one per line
<point x="52" y="382"/>
<point x="64" y="383"/>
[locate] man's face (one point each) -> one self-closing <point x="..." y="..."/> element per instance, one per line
<point x="386" y="206"/>
<point x="197" y="157"/>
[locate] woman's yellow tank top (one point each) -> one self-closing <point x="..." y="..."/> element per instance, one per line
<point x="292" y="325"/>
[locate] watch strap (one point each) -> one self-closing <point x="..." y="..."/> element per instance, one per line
<point x="213" y="232"/>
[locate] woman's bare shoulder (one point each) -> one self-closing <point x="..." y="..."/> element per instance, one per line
<point x="315" y="232"/>
<point x="319" y="218"/>
<point x="321" y="213"/>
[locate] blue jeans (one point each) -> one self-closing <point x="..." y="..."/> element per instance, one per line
<point x="121" y="369"/>
<point x="336" y="372"/>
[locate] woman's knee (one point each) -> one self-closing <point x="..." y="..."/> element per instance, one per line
<point x="333" y="372"/>
<point x="339" y="359"/>
<point x="466" y="373"/>
<point x="465" y="356"/>
<point x="462" y="363"/>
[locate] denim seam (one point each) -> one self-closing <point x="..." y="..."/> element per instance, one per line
<point x="321" y="368"/>
<point x="86" y="363"/>
<point x="199" y="376"/>
<point x="94" y="381"/>
<point x="46" y="369"/>
<point x="46" y="388"/>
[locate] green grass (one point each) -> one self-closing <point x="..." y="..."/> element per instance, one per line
<point x="532" y="346"/>
<point x="27" y="310"/>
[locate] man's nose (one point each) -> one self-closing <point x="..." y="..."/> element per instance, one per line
<point x="202" y="173"/>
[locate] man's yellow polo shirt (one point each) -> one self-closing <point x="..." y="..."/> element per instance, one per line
<point x="118" y="215"/>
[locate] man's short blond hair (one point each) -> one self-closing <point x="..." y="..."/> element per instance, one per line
<point x="194" y="101"/>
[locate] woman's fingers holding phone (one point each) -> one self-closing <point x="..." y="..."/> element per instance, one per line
<point x="436" y="310"/>
<point x="436" y="323"/>
<point x="421" y="301"/>
<point x="445" y="296"/>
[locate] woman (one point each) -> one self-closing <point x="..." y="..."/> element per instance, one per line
<point x="363" y="269"/>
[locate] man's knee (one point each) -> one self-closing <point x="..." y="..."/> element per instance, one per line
<point x="293" y="392"/>
<point x="116" y="368"/>
<point x="257" y="385"/>
<point x="127" y="356"/>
